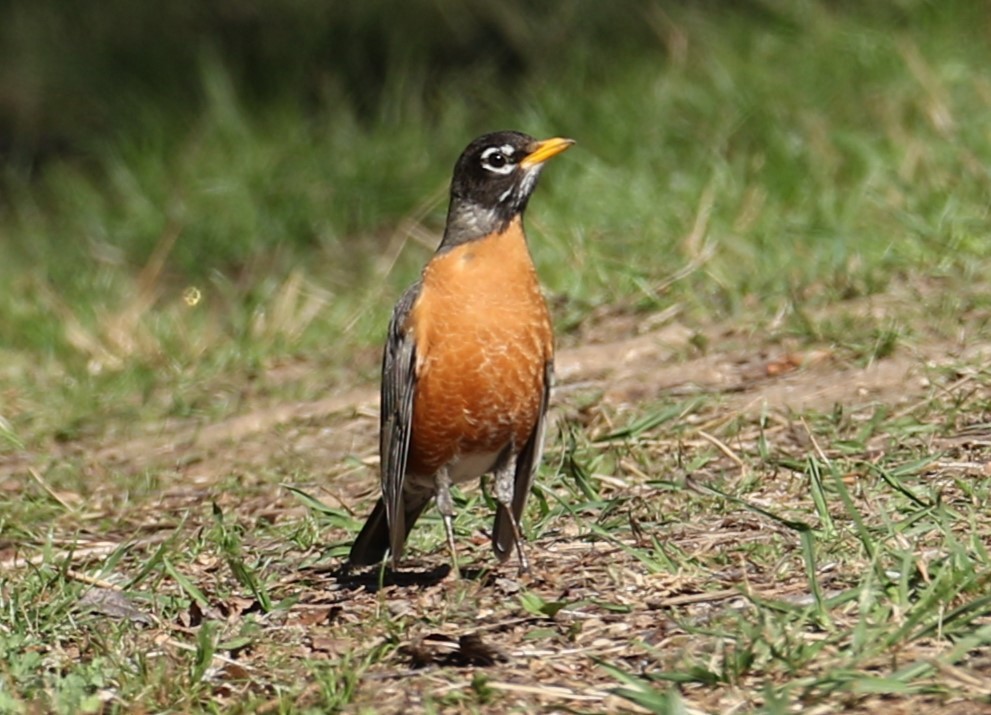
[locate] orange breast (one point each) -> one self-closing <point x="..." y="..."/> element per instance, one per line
<point x="483" y="336"/>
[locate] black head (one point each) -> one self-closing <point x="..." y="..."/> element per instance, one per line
<point x="493" y="180"/>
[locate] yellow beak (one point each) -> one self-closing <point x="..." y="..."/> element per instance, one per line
<point x="544" y="150"/>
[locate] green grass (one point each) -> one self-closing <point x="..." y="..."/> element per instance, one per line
<point x="781" y="178"/>
<point x="875" y="568"/>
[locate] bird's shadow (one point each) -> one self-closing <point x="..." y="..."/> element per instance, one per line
<point x="372" y="579"/>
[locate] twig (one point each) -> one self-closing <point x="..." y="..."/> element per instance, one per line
<point x="964" y="677"/>
<point x="92" y="580"/>
<point x="724" y="448"/>
<point x="693" y="598"/>
<point x="549" y="691"/>
<point x="815" y="442"/>
<point x="48" y="490"/>
<point x="100" y="549"/>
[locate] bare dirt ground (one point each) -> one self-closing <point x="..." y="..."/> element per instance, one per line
<point x="474" y="638"/>
<point x="617" y="363"/>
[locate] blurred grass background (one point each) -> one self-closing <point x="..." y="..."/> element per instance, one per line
<point x="199" y="188"/>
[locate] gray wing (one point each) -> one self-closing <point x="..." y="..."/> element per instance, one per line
<point x="526" y="468"/>
<point x="398" y="388"/>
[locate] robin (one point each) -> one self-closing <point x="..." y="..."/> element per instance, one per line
<point x="466" y="371"/>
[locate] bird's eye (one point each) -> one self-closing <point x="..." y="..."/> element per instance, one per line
<point x="495" y="159"/>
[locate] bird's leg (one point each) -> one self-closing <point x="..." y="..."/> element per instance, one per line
<point x="504" y="490"/>
<point x="445" y="505"/>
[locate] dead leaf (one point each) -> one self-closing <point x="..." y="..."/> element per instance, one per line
<point x="115" y="604"/>
<point x="314" y="616"/>
<point x="233" y="671"/>
<point x="785" y="364"/>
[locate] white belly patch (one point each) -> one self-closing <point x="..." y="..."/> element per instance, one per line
<point x="463" y="468"/>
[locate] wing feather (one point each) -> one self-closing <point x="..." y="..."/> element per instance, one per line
<point x="398" y="389"/>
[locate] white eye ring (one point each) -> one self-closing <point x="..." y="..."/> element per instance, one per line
<point x="498" y="159"/>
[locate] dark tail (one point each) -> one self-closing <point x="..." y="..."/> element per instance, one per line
<point x="503" y="538"/>
<point x="373" y="540"/>
<point x="372" y="543"/>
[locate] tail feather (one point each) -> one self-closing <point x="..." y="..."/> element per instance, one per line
<point x="503" y="538"/>
<point x="372" y="542"/>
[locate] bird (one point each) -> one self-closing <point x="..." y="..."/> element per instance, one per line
<point x="468" y="359"/>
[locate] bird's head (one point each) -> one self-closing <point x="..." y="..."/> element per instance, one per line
<point x="493" y="180"/>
